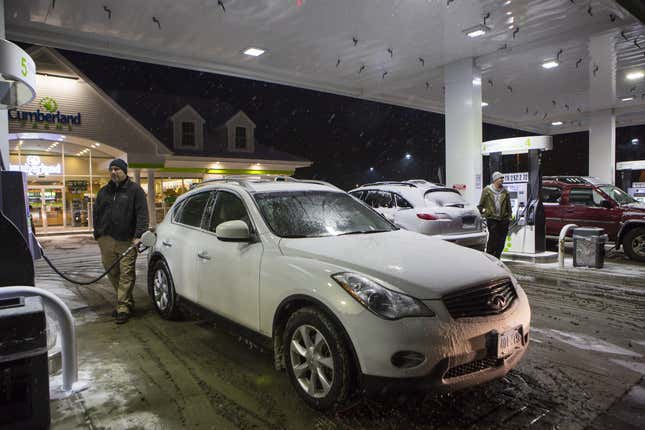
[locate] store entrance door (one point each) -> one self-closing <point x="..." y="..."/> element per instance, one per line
<point x="46" y="207"/>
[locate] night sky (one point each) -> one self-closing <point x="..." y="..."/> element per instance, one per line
<point x="343" y="136"/>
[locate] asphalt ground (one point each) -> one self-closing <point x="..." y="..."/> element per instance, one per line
<point x="584" y="367"/>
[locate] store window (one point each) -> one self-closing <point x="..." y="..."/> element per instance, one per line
<point x="240" y="138"/>
<point x="188" y="134"/>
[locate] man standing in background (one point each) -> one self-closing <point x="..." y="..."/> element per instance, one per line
<point x="120" y="218"/>
<point x="495" y="206"/>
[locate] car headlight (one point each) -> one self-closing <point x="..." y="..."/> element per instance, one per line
<point x="385" y="303"/>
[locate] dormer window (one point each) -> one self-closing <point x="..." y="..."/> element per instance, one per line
<point x="240" y="138"/>
<point x="188" y="134"/>
<point x="188" y="129"/>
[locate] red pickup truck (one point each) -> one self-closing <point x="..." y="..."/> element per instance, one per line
<point x="586" y="202"/>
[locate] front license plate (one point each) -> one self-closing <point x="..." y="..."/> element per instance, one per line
<point x="507" y="342"/>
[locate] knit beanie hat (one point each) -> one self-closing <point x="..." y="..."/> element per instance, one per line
<point x="120" y="164"/>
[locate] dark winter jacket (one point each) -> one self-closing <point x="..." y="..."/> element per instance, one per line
<point x="120" y="211"/>
<point x="487" y="204"/>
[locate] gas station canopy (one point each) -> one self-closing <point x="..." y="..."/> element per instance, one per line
<point x="534" y="55"/>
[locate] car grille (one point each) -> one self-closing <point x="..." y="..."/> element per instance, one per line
<point x="489" y="299"/>
<point x="472" y="367"/>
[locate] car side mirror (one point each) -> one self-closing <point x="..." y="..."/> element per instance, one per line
<point x="148" y="239"/>
<point x="605" y="204"/>
<point x="233" y="231"/>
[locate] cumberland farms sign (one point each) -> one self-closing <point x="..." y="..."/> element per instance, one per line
<point x="47" y="118"/>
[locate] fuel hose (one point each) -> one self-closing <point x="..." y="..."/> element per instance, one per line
<point x="139" y="248"/>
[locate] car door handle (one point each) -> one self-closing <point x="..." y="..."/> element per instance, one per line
<point x="204" y="255"/>
<point x="166" y="243"/>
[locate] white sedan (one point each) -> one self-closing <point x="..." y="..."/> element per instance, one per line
<point x="346" y="297"/>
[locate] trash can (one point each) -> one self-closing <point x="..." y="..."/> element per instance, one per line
<point x="589" y="247"/>
<point x="24" y="376"/>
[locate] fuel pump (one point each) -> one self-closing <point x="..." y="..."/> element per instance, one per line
<point x="527" y="232"/>
<point x="635" y="189"/>
<point x="18" y="250"/>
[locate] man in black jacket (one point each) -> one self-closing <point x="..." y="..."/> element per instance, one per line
<point x="120" y="218"/>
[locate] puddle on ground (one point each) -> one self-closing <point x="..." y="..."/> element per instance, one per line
<point x="586" y="342"/>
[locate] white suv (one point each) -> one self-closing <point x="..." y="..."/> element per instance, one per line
<point x="427" y="208"/>
<point x="346" y="297"/>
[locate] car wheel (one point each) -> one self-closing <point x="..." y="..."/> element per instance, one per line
<point x="634" y="243"/>
<point x="317" y="359"/>
<point x="162" y="291"/>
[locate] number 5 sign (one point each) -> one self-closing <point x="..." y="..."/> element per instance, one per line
<point x="17" y="66"/>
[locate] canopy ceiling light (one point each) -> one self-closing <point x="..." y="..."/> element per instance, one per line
<point x="476" y="31"/>
<point x="633" y="76"/>
<point x="556" y="123"/>
<point x="254" y="52"/>
<point x="484" y="104"/>
<point x="627" y="99"/>
<point x="550" y="64"/>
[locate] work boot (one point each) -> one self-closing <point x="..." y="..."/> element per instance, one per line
<point x="122" y="318"/>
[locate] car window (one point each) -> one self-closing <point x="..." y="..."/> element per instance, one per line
<point x="357" y="194"/>
<point x="445" y="198"/>
<point x="318" y="213"/>
<point x="402" y="203"/>
<point x="380" y="199"/>
<point x="551" y="194"/>
<point x="228" y="207"/>
<point x="619" y="196"/>
<point x="371" y="198"/>
<point x="193" y="209"/>
<point x="585" y="197"/>
<point x="177" y="211"/>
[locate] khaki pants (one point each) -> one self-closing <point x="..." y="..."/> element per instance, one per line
<point x="122" y="276"/>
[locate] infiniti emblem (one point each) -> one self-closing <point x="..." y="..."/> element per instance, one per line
<point x="497" y="302"/>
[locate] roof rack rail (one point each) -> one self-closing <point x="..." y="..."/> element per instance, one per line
<point x="242" y="182"/>
<point x="304" y="181"/>
<point x="246" y="181"/>
<point x="570" y="179"/>
<point x="408" y="184"/>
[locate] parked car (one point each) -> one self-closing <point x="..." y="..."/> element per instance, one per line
<point x="589" y="203"/>
<point x="427" y="208"/>
<point x="345" y="296"/>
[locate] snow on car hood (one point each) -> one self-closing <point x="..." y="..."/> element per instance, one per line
<point x="419" y="265"/>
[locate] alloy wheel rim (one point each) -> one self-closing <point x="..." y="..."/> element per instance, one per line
<point x="311" y="361"/>
<point x="638" y="245"/>
<point x="161" y="289"/>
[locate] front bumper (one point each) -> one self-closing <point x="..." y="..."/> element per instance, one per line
<point x="435" y="380"/>
<point x="475" y="240"/>
<point x="458" y="353"/>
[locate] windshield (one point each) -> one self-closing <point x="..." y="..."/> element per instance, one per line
<point x="618" y="195"/>
<point x="445" y="198"/>
<point x="317" y="214"/>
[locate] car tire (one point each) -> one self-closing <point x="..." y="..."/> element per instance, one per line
<point x="317" y="359"/>
<point x="161" y="290"/>
<point x="634" y="244"/>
